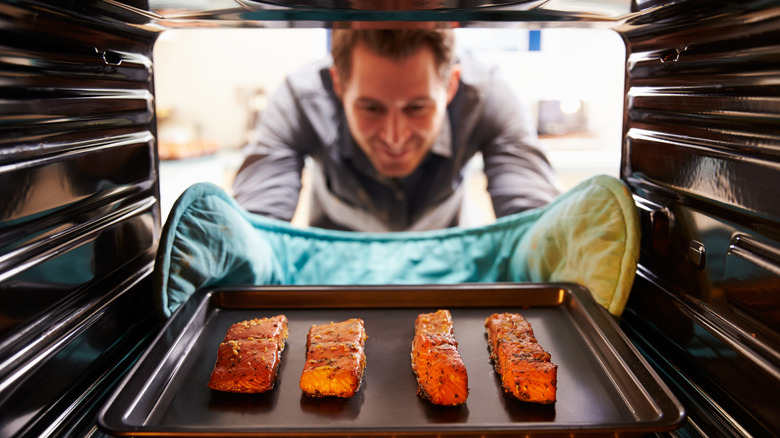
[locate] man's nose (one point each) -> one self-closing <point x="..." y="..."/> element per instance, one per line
<point x="396" y="129"/>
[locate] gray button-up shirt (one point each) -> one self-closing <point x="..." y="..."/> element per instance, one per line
<point x="305" y="118"/>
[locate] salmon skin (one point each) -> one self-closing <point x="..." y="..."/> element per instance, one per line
<point x="248" y="357"/>
<point x="335" y="359"/>
<point x="441" y="375"/>
<point x="526" y="370"/>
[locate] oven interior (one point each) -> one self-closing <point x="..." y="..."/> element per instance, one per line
<point x="82" y="206"/>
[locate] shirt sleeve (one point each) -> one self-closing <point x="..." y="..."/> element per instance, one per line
<point x="269" y="180"/>
<point x="519" y="174"/>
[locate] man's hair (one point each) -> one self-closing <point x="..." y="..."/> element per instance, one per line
<point x="393" y="43"/>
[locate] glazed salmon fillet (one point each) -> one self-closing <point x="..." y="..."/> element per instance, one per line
<point x="335" y="359"/>
<point x="441" y="375"/>
<point x="248" y="357"/>
<point x="526" y="370"/>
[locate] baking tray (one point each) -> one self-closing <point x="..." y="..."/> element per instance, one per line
<point x="604" y="385"/>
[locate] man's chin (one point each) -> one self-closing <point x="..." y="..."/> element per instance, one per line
<point x="394" y="170"/>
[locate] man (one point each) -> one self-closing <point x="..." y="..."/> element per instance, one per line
<point x="390" y="126"/>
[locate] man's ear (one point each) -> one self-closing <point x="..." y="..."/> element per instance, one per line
<point x="334" y="77"/>
<point x="452" y="87"/>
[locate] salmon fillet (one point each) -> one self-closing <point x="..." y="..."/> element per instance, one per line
<point x="248" y="357"/>
<point x="436" y="362"/>
<point x="526" y="370"/>
<point x="335" y="359"/>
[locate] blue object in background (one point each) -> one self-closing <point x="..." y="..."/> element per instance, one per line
<point x="534" y="40"/>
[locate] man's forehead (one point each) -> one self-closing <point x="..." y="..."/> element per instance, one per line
<point x="421" y="63"/>
<point x="379" y="100"/>
<point x="361" y="50"/>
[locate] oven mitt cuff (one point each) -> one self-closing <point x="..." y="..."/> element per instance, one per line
<point x="209" y="240"/>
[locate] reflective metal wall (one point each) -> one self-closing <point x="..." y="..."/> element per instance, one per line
<point x="702" y="155"/>
<point x="79" y="213"/>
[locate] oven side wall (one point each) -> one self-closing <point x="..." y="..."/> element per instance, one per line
<point x="701" y="152"/>
<point x="79" y="213"/>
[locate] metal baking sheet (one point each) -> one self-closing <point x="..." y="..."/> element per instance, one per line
<point x="604" y="386"/>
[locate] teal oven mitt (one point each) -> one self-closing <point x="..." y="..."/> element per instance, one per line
<point x="589" y="235"/>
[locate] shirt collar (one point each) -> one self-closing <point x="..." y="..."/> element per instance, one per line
<point x="443" y="143"/>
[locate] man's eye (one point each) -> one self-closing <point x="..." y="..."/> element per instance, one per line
<point x="371" y="109"/>
<point x="415" y="110"/>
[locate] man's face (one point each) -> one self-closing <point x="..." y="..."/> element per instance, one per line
<point x="395" y="108"/>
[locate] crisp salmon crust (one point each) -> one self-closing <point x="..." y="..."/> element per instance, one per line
<point x="441" y="375"/>
<point x="335" y="359"/>
<point x="249" y="356"/>
<point x="526" y="370"/>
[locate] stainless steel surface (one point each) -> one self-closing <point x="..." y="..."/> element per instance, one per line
<point x="390" y="5"/>
<point x="79" y="216"/>
<point x="701" y="155"/>
<point x="79" y="220"/>
<point x="603" y="385"/>
<point x="171" y="14"/>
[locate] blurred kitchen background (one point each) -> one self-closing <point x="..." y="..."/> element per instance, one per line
<point x="212" y="83"/>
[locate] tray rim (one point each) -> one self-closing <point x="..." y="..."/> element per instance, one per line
<point x="671" y="412"/>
